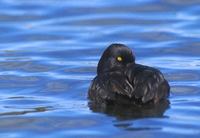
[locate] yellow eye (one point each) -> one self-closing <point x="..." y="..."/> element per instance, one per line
<point x="119" y="59"/>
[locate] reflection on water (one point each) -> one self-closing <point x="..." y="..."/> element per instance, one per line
<point x="48" y="55"/>
<point x="37" y="109"/>
<point x="125" y="112"/>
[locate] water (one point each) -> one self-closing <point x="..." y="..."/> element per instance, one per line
<point x="48" y="56"/>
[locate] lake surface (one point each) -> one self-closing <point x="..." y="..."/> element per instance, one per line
<point x="49" y="51"/>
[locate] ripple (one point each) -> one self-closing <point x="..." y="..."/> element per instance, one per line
<point x="187" y="63"/>
<point x="35" y="110"/>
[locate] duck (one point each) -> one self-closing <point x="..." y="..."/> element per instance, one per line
<point x="121" y="80"/>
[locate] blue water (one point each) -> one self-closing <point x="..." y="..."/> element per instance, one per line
<point x="49" y="51"/>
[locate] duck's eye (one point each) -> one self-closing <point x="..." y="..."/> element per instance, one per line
<point x="119" y="58"/>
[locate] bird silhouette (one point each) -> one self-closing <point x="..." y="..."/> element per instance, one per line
<point x="121" y="80"/>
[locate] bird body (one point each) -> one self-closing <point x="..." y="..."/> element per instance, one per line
<point x="119" y="79"/>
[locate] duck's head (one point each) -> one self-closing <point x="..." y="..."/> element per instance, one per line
<point x="115" y="57"/>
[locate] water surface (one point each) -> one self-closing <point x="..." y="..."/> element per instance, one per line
<point x="49" y="51"/>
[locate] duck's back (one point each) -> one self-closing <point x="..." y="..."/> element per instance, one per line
<point x="148" y="83"/>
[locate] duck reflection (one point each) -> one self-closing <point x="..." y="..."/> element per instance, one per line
<point x="126" y="111"/>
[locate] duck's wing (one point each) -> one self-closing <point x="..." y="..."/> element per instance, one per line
<point x="117" y="82"/>
<point x="106" y="86"/>
<point x="148" y="83"/>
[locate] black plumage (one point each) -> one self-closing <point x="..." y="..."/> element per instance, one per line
<point x="120" y="80"/>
